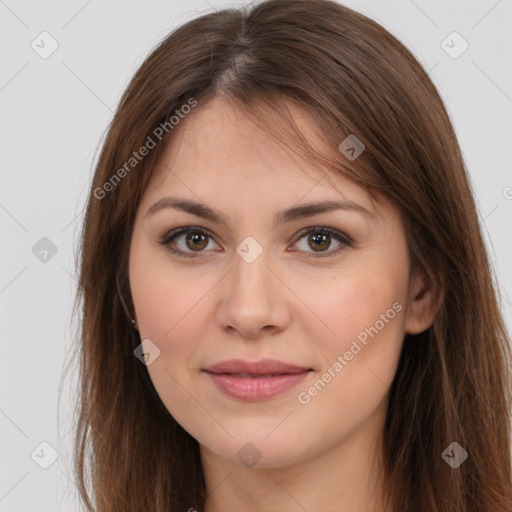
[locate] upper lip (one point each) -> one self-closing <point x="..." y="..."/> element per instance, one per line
<point x="262" y="367"/>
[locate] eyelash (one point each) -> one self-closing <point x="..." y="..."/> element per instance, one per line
<point x="337" y="235"/>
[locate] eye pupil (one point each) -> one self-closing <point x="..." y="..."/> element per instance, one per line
<point x="319" y="238"/>
<point x="196" y="238"/>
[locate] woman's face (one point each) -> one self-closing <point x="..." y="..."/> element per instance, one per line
<point x="269" y="344"/>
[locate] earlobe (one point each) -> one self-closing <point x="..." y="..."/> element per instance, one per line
<point x="134" y="321"/>
<point x="425" y="299"/>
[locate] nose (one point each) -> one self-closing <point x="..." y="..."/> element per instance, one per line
<point x="252" y="300"/>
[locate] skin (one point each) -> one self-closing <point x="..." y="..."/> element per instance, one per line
<point x="324" y="455"/>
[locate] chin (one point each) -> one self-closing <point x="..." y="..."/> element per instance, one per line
<point x="254" y="448"/>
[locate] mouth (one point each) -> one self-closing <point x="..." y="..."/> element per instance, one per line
<point x="255" y="380"/>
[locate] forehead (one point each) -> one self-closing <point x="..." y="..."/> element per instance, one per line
<point x="220" y="151"/>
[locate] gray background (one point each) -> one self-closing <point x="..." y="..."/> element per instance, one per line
<point x="54" y="113"/>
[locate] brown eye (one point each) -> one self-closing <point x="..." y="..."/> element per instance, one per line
<point x="196" y="241"/>
<point x="185" y="242"/>
<point x="319" y="240"/>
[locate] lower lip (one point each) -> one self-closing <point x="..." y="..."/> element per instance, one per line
<point x="256" y="388"/>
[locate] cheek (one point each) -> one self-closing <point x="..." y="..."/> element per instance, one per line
<point x="167" y="301"/>
<point x="174" y="312"/>
<point x="366" y="312"/>
<point x="352" y="303"/>
<point x="357" y="363"/>
<point x="360" y="349"/>
<point x="170" y="312"/>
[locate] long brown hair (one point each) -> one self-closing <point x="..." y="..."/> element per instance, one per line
<point x="352" y="77"/>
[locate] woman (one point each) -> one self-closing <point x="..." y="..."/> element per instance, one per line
<point x="287" y="302"/>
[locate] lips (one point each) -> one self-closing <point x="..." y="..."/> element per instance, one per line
<point x="255" y="380"/>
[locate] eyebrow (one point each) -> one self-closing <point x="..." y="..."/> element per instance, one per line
<point x="281" y="217"/>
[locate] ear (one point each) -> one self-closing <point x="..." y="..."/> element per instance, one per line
<point x="134" y="320"/>
<point x="425" y="299"/>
